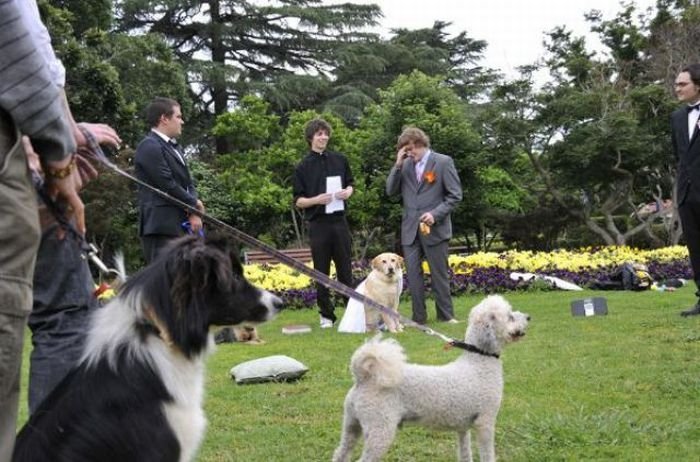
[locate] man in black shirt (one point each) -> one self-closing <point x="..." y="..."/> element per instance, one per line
<point x="322" y="185"/>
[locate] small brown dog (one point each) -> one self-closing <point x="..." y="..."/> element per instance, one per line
<point x="241" y="333"/>
<point x="384" y="285"/>
<point x="247" y="334"/>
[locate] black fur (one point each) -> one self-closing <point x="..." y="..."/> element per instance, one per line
<point x="111" y="408"/>
<point x="98" y="414"/>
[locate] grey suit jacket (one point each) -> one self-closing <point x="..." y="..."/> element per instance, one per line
<point x="438" y="197"/>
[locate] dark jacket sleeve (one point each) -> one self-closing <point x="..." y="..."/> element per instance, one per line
<point x="27" y="92"/>
<point x="153" y="168"/>
<point x="299" y="185"/>
<point x="349" y="180"/>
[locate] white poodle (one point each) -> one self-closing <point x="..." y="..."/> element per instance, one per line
<point x="466" y="393"/>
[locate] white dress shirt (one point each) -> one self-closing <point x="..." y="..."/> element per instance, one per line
<point x="420" y="166"/>
<point x="693" y="116"/>
<point x="171" y="142"/>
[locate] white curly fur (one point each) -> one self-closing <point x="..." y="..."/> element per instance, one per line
<point x="465" y="393"/>
<point x="378" y="362"/>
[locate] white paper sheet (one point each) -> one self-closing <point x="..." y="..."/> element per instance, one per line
<point x="333" y="185"/>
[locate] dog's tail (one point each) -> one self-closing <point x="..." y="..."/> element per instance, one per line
<point x="119" y="266"/>
<point x="379" y="361"/>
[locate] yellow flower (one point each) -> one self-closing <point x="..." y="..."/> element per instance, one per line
<point x="279" y="277"/>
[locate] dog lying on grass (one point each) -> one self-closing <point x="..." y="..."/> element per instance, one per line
<point x="464" y="394"/>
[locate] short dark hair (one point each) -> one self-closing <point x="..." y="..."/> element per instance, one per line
<point x="158" y="108"/>
<point x="694" y="71"/>
<point x="314" y="126"/>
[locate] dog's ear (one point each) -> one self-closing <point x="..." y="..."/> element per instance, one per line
<point x="400" y="259"/>
<point x="200" y="268"/>
<point x="376" y="262"/>
<point x="218" y="240"/>
<point x="224" y="244"/>
<point x="214" y="267"/>
<point x="199" y="274"/>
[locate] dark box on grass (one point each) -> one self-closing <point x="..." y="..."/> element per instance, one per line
<point x="595" y="306"/>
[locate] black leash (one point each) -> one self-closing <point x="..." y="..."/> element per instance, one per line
<point x="472" y="348"/>
<point x="315" y="275"/>
<point x="58" y="211"/>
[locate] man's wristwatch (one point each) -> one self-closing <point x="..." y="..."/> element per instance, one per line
<point x="61" y="173"/>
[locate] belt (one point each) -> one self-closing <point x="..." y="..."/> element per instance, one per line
<point x="327" y="217"/>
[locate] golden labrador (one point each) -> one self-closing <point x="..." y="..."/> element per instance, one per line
<point x="383" y="285"/>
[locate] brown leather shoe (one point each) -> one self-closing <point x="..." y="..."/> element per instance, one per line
<point x="694" y="311"/>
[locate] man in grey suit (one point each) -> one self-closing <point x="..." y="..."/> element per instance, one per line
<point x="430" y="190"/>
<point x="161" y="163"/>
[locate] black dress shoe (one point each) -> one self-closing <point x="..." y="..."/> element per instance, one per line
<point x="694" y="311"/>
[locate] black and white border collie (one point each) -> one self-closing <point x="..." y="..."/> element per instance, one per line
<point x="137" y="393"/>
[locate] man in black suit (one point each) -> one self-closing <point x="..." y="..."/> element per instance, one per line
<point x="686" y="146"/>
<point x="160" y="162"/>
<point x="329" y="234"/>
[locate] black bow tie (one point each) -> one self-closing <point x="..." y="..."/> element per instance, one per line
<point x="173" y="142"/>
<point x="692" y="108"/>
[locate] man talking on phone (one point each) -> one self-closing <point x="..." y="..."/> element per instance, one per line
<point x="430" y="190"/>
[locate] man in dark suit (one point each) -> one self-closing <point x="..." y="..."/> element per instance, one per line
<point x="686" y="147"/>
<point x="160" y="162"/>
<point x="430" y="189"/>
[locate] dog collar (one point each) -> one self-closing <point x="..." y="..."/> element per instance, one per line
<point x="469" y="347"/>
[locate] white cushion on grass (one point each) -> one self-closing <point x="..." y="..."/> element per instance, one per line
<point x="277" y="368"/>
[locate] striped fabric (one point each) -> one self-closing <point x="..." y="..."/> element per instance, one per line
<point x="27" y="93"/>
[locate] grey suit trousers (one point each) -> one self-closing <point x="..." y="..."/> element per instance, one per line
<point x="436" y="255"/>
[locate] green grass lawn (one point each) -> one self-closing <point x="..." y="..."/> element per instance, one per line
<point x="623" y="387"/>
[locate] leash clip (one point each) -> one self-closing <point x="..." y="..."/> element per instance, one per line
<point x="91" y="253"/>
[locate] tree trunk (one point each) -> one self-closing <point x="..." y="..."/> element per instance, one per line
<point x="298" y="230"/>
<point x="219" y="89"/>
<point x="600" y="231"/>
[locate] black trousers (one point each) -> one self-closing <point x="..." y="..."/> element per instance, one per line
<point x="153" y="244"/>
<point x="60" y="317"/>
<point x="330" y="241"/>
<point x="689" y="213"/>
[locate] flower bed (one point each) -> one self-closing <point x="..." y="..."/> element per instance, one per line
<point x="489" y="272"/>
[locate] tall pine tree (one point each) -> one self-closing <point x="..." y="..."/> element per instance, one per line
<point x="228" y="45"/>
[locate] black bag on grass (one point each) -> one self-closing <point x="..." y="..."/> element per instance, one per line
<point x="629" y="276"/>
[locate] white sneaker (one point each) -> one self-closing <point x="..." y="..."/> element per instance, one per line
<point x="326" y="323"/>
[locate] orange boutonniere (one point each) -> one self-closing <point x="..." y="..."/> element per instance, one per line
<point x="429" y="176"/>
